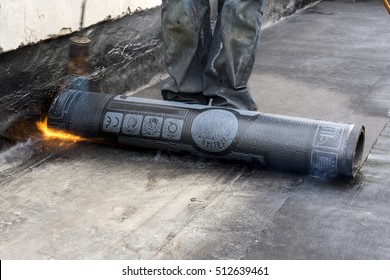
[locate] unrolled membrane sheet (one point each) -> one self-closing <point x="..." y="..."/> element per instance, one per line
<point x="319" y="148"/>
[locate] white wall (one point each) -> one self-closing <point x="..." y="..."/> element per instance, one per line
<point x="29" y="21"/>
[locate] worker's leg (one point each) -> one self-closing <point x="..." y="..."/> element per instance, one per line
<point x="186" y="34"/>
<point x="232" y="54"/>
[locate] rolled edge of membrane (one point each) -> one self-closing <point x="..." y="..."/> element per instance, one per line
<point x="351" y="158"/>
<point x="354" y="152"/>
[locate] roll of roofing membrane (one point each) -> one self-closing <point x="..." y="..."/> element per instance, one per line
<point x="318" y="148"/>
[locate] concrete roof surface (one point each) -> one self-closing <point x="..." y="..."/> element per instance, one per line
<point x="90" y="201"/>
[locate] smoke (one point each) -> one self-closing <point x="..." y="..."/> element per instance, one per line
<point x="17" y="152"/>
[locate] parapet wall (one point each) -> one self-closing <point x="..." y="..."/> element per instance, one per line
<point x="125" y="54"/>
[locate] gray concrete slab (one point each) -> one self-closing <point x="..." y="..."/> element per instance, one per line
<point x="89" y="201"/>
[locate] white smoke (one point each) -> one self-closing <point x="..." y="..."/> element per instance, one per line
<point x="16" y="152"/>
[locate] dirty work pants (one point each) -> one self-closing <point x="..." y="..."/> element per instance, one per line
<point x="206" y="67"/>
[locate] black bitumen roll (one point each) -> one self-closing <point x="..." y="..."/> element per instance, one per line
<point x="318" y="148"/>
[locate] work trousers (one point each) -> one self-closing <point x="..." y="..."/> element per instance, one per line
<point x="205" y="66"/>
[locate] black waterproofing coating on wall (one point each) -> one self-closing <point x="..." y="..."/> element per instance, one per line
<point x="318" y="148"/>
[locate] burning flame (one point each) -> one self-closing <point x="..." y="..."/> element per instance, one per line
<point x="50" y="133"/>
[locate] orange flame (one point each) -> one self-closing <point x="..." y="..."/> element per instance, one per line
<point x="50" y="133"/>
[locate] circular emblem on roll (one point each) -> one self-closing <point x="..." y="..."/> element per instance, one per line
<point x="214" y="130"/>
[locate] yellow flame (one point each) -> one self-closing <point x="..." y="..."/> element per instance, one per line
<point x="387" y="5"/>
<point x="50" y="133"/>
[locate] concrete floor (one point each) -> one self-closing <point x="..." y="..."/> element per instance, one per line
<point x="88" y="201"/>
